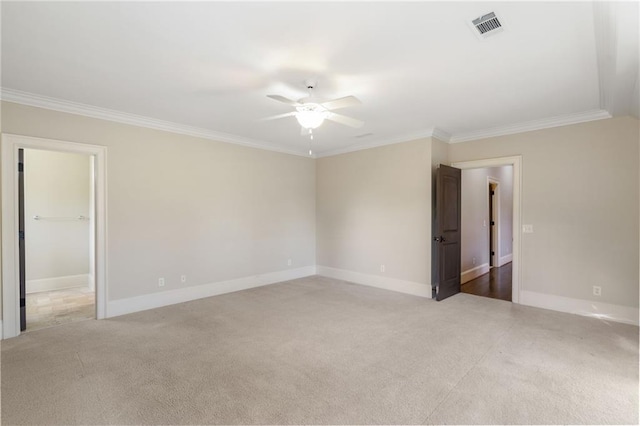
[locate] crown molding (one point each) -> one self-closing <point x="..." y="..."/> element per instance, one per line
<point x="528" y="126"/>
<point x="441" y="135"/>
<point x="39" y="101"/>
<point x="60" y="105"/>
<point x="377" y="143"/>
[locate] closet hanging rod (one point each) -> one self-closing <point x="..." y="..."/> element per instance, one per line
<point x="38" y="217"/>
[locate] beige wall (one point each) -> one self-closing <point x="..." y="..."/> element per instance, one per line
<point x="183" y="205"/>
<point x="56" y="185"/>
<point x="580" y="193"/>
<point x="505" y="174"/>
<point x="439" y="154"/>
<point x="374" y="208"/>
<point x="215" y="211"/>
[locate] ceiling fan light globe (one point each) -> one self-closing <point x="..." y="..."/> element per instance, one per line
<point x="310" y="119"/>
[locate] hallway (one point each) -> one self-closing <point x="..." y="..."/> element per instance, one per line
<point x="495" y="284"/>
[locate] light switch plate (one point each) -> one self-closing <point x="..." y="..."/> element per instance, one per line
<point x="527" y="229"/>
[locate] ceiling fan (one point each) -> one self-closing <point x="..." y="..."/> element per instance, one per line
<point x="311" y="112"/>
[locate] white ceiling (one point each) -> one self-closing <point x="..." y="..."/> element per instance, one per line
<point x="416" y="67"/>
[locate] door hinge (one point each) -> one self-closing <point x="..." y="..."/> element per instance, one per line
<point x="20" y="167"/>
<point x="493" y="253"/>
<point x="21" y="235"/>
<point x="492" y="223"/>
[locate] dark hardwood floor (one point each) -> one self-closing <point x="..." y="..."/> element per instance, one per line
<point x="495" y="284"/>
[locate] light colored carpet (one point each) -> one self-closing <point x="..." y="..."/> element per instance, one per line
<point x="320" y="351"/>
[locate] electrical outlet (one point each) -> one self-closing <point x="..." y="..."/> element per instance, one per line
<point x="183" y="278"/>
<point x="597" y="290"/>
<point x="527" y="229"/>
<point x="288" y="262"/>
<point x="382" y="268"/>
<point x="161" y="282"/>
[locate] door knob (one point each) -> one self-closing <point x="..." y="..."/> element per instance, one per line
<point x="438" y="239"/>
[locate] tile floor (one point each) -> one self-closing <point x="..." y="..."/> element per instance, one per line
<point x="49" y="308"/>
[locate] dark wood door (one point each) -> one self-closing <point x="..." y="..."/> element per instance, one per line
<point x="447" y="232"/>
<point x="21" y="242"/>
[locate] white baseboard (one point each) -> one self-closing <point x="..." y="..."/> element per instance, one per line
<point x="393" y="284"/>
<point x="180" y="295"/>
<point x="91" y="282"/>
<point x="505" y="259"/>
<point x="472" y="273"/>
<point x="588" y="308"/>
<point x="57" y="283"/>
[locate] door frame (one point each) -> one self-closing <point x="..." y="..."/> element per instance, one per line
<point x="10" y="144"/>
<point x="495" y="230"/>
<point x="516" y="162"/>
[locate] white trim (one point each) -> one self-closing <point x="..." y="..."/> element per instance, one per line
<point x="393" y="284"/>
<point x="605" y="31"/>
<point x="617" y="72"/>
<point x="545" y="123"/>
<point x="1" y="330"/>
<point x="10" y="145"/>
<point x="92" y="226"/>
<point x="588" y="308"/>
<point x="441" y="135"/>
<point x="516" y="162"/>
<point x="435" y="132"/>
<point x="473" y="273"/>
<point x="58" y="283"/>
<point x="378" y="143"/>
<point x="180" y="295"/>
<point x="506" y="259"/>
<point x="39" y="101"/>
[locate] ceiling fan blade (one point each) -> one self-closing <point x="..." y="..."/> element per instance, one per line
<point x="343" y="119"/>
<point x="347" y="101"/>
<point x="283" y="99"/>
<point x="275" y="117"/>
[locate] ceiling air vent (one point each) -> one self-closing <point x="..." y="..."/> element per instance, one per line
<point x="364" y="135"/>
<point x="487" y="25"/>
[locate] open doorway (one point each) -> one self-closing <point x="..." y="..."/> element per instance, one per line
<point x="487" y="232"/>
<point x="57" y="282"/>
<point x="12" y="228"/>
<point x="490" y="227"/>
